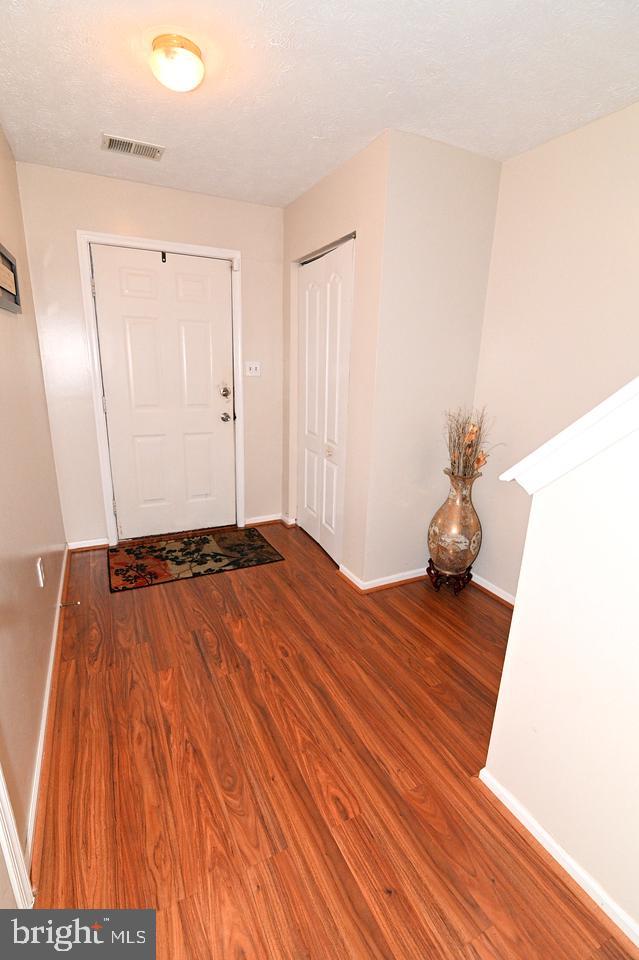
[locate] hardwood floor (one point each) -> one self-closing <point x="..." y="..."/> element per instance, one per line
<point x="286" y="769"/>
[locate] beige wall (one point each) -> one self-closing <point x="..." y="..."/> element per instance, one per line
<point x="560" y="330"/>
<point x="440" y="214"/>
<point x="57" y="203"/>
<point x="564" y="740"/>
<point x="351" y="198"/>
<point x="30" y="520"/>
<point x="424" y="215"/>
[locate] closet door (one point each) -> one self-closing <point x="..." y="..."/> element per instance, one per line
<point x="325" y="292"/>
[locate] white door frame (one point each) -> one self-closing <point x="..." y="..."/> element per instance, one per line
<point x="85" y="238"/>
<point x="11" y="849"/>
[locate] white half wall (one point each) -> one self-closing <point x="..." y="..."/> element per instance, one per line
<point x="58" y="203"/>
<point x="564" y="740"/>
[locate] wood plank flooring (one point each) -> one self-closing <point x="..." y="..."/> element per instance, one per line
<point x="286" y="769"/>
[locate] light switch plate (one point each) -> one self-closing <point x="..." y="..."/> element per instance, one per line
<point x="252" y="368"/>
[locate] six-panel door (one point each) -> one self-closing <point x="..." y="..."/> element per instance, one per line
<point x="165" y="332"/>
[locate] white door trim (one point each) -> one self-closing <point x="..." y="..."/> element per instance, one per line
<point x="12" y="851"/>
<point x="85" y="238"/>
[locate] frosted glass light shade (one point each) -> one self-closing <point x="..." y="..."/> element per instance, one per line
<point x="177" y="63"/>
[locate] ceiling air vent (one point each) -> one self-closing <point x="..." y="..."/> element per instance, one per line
<point x="134" y="148"/>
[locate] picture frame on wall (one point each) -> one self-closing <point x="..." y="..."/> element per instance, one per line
<point x="9" y="287"/>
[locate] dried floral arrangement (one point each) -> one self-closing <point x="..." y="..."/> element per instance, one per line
<point x="467" y="432"/>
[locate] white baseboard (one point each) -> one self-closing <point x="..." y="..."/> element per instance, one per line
<point x="83" y="544"/>
<point x="35" y="788"/>
<point x="381" y="581"/>
<point x="11" y="849"/>
<point x="411" y="575"/>
<point x="617" y="914"/>
<point x="487" y="585"/>
<point x="269" y="518"/>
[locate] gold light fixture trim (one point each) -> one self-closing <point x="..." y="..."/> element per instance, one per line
<point x="177" y="62"/>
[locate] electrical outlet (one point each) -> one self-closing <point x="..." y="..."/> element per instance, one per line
<point x="40" y="571"/>
<point x="252" y="368"/>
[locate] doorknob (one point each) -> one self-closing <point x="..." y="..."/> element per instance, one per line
<point x="225" y="417"/>
<point x="225" y="392"/>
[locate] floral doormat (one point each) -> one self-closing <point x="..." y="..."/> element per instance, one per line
<point x="151" y="560"/>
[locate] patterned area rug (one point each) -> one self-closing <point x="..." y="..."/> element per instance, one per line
<point x="151" y="560"/>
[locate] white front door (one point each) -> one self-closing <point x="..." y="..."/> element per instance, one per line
<point x="166" y="348"/>
<point x="325" y="293"/>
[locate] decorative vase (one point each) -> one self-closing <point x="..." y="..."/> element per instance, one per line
<point x="454" y="535"/>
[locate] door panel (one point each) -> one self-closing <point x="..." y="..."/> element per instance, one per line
<point x="151" y="469"/>
<point x="191" y="288"/>
<point x="310" y="483"/>
<point x="199" y="466"/>
<point x="143" y="366"/>
<point x="197" y="363"/>
<point x="312" y="359"/>
<point x="329" y="497"/>
<point x="333" y="345"/>
<point x="324" y="323"/>
<point x="138" y="283"/>
<point x="165" y="332"/>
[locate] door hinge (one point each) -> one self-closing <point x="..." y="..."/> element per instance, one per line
<point x="104" y="405"/>
<point x="93" y="287"/>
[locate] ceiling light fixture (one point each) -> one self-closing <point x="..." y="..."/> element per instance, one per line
<point x="177" y="62"/>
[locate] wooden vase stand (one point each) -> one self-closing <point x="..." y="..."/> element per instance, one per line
<point x="455" y="580"/>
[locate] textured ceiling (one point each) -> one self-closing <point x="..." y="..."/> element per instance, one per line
<point x="295" y="87"/>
